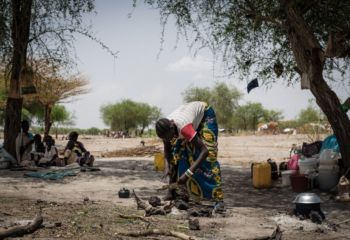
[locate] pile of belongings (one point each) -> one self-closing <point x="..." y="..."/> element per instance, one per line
<point x="318" y="162"/>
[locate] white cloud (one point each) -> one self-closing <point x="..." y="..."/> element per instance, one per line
<point x="189" y="64"/>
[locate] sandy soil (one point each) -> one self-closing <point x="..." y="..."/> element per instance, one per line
<point x="251" y="212"/>
<point x="238" y="150"/>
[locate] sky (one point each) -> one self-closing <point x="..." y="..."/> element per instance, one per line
<point x="144" y="73"/>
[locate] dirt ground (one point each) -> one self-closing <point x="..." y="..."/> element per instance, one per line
<point x="87" y="206"/>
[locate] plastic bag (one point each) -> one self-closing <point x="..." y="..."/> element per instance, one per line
<point x="330" y="142"/>
<point x="311" y="149"/>
<point x="293" y="162"/>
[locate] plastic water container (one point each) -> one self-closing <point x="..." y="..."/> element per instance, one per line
<point x="159" y="162"/>
<point x="307" y="165"/>
<point x="328" y="177"/>
<point x="261" y="175"/>
<point x="286" y="177"/>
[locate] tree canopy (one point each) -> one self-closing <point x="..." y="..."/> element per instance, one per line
<point x="311" y="114"/>
<point x="53" y="86"/>
<point x="127" y="115"/>
<point x="53" y="27"/>
<point x="249" y="115"/>
<point x="280" y="40"/>
<point x="37" y="29"/>
<point x="252" y="35"/>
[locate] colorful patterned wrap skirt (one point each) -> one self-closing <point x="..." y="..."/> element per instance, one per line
<point x="206" y="180"/>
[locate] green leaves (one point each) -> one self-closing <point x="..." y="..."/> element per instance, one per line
<point x="311" y="114"/>
<point x="258" y="30"/>
<point x="248" y="116"/>
<point x="127" y="115"/>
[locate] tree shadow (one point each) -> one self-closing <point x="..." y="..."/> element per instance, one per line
<point x="239" y="192"/>
<point x="237" y="185"/>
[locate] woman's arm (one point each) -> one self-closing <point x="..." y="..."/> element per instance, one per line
<point x="202" y="156"/>
<point x="167" y="157"/>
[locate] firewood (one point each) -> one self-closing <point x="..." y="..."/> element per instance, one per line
<point x="342" y="222"/>
<point x="135" y="217"/>
<point x="158" y="232"/>
<point x="142" y="204"/>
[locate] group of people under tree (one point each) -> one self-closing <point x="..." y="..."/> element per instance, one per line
<point x="32" y="151"/>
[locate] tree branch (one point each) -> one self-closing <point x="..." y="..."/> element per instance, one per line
<point x="22" y="230"/>
<point x="252" y="14"/>
<point x="158" y="232"/>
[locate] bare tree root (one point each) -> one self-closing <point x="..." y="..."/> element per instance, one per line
<point x="150" y="232"/>
<point x="22" y="230"/>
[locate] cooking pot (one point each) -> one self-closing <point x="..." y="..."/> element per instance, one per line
<point x="308" y="205"/>
<point x="124" y="193"/>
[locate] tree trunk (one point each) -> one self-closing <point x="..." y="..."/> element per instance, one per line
<point x="328" y="101"/>
<point x="21" y="14"/>
<point x="12" y="128"/>
<point x="310" y="60"/>
<point x="47" y="119"/>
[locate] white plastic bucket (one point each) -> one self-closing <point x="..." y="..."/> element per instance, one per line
<point x="307" y="165"/>
<point x="328" y="177"/>
<point x="286" y="177"/>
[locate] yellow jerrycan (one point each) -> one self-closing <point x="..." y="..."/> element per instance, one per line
<point x="261" y="175"/>
<point x="159" y="162"/>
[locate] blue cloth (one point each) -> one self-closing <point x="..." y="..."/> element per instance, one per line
<point x="252" y="84"/>
<point x="54" y="175"/>
<point x="30" y="136"/>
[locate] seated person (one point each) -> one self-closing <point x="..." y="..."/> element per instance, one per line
<point x="76" y="152"/>
<point x="50" y="157"/>
<point x="39" y="148"/>
<point x="24" y="144"/>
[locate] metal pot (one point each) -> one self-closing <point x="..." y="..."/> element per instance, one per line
<point x="307" y="198"/>
<point x="124" y="193"/>
<point x="308" y="205"/>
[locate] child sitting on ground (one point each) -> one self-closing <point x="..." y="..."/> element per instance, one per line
<point x="50" y="157"/>
<point x="39" y="149"/>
